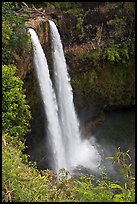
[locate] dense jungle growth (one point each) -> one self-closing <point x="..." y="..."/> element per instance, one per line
<point x="98" y="40"/>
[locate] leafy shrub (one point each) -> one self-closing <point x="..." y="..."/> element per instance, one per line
<point x="21" y="182"/>
<point x="119" y="52"/>
<point x="15" y="111"/>
<point x="24" y="183"/>
<point x="112" y="54"/>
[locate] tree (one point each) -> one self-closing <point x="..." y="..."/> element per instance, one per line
<point x="14" y="34"/>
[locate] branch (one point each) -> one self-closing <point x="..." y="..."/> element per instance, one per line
<point x="25" y="4"/>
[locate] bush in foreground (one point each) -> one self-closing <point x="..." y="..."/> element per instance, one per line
<point x="24" y="183"/>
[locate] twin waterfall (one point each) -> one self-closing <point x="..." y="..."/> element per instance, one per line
<point x="68" y="149"/>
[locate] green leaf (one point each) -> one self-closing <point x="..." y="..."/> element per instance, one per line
<point x="115" y="186"/>
<point x="118" y="198"/>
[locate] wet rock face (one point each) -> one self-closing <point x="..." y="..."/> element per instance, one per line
<point x="40" y="25"/>
<point x="24" y="61"/>
<point x="24" y="65"/>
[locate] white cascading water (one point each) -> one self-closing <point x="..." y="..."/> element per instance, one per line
<point x="77" y="151"/>
<point x="50" y="104"/>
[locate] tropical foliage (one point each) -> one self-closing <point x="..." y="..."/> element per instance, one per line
<point x="24" y="183"/>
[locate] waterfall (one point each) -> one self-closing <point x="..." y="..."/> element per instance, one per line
<point x="50" y="104"/>
<point x="63" y="131"/>
<point x="77" y="151"/>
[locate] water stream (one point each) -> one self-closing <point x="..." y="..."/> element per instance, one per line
<point x="49" y="100"/>
<point x="77" y="151"/>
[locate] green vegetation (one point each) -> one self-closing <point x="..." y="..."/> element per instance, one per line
<point x="58" y="5"/>
<point x="15" y="111"/>
<point x="24" y="183"/>
<point x="113" y="84"/>
<point x="15" y="40"/>
<point x="64" y="5"/>
<point x="119" y="52"/>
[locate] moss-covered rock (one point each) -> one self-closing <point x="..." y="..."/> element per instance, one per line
<point x="112" y="85"/>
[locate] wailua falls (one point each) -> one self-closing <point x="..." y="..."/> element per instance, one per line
<point x="68" y="148"/>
